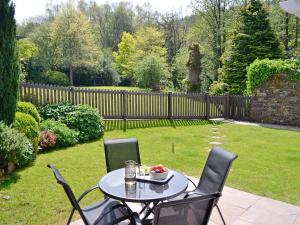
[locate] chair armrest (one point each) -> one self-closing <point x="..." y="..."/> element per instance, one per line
<point x="135" y="219"/>
<point x="86" y="192"/>
<point x="187" y="194"/>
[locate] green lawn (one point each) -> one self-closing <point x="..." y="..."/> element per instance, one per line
<point x="268" y="165"/>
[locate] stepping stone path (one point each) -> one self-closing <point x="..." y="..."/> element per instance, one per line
<point x="216" y="132"/>
<point x="215" y="143"/>
<point x="215" y="137"/>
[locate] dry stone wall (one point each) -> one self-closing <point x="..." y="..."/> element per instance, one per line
<point x="277" y="101"/>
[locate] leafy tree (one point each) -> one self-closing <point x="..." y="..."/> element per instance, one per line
<point x="212" y="20"/>
<point x="72" y="35"/>
<point x="111" y="21"/>
<point x="179" y="69"/>
<point x="9" y="62"/>
<point x="122" y="20"/>
<point x="145" y="16"/>
<point x="152" y="72"/>
<point x="174" y="28"/>
<point x="26" y="49"/>
<point x="47" y="55"/>
<point x="124" y="60"/>
<point x="150" y="40"/>
<point x="254" y="38"/>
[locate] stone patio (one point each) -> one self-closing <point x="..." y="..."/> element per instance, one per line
<point x="242" y="208"/>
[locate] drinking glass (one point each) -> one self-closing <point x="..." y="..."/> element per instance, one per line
<point x="130" y="171"/>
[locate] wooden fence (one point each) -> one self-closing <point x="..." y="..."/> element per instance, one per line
<point x="120" y="104"/>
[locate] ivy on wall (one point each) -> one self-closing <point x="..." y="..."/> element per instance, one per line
<point x="260" y="70"/>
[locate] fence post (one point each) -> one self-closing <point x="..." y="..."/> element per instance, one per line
<point x="170" y="105"/>
<point x="124" y="94"/>
<point x="207" y="113"/>
<point x="226" y="105"/>
<point x="71" y="93"/>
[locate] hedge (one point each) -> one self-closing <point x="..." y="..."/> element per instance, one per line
<point x="261" y="70"/>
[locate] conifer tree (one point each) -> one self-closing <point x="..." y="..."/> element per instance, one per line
<point x="254" y="38"/>
<point x="9" y="62"/>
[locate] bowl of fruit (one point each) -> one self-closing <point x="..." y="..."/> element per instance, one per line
<point x="159" y="172"/>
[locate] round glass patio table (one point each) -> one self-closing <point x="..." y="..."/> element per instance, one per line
<point x="113" y="185"/>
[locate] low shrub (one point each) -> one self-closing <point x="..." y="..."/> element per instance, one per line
<point x="56" y="78"/>
<point x="14" y="147"/>
<point x="87" y="121"/>
<point x="27" y="125"/>
<point x="65" y="135"/>
<point x="50" y="77"/>
<point x="218" y="88"/>
<point x="28" y="108"/>
<point x="152" y="72"/>
<point x="260" y="70"/>
<point x="57" y="111"/>
<point x="48" y="140"/>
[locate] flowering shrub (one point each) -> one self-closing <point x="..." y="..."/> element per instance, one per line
<point x="65" y="136"/>
<point x="48" y="140"/>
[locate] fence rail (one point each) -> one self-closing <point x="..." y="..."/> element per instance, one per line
<point x="120" y="104"/>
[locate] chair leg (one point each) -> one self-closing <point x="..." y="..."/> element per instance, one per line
<point x="220" y="214"/>
<point x="70" y="217"/>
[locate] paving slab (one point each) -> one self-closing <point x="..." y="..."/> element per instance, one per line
<point x="267" y="125"/>
<point x="242" y="208"/>
<point x="215" y="137"/>
<point x="297" y="222"/>
<point x="215" y="143"/>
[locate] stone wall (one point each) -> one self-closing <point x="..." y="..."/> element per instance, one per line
<point x="277" y="102"/>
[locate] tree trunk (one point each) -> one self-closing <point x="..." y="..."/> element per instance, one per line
<point x="219" y="25"/>
<point x="297" y="33"/>
<point x="286" y="38"/>
<point x="71" y="75"/>
<point x="11" y="167"/>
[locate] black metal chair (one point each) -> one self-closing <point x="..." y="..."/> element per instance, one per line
<point x="107" y="212"/>
<point x="117" y="151"/>
<point x="195" y="209"/>
<point x="215" y="173"/>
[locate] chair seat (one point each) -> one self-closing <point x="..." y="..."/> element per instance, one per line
<point x="111" y="210"/>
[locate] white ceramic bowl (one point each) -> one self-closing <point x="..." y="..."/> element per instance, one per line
<point x="158" y="176"/>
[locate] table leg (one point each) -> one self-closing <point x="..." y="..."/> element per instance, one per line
<point x="150" y="210"/>
<point x="145" y="207"/>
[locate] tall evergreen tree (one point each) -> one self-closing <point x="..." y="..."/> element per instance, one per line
<point x="9" y="62"/>
<point x="254" y="38"/>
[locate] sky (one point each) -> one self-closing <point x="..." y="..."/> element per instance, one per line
<point x="30" y="8"/>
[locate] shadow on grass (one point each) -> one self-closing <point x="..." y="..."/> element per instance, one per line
<point x="7" y="181"/>
<point x="134" y="124"/>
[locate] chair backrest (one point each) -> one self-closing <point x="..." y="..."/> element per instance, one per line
<point x="194" y="210"/>
<point x="216" y="170"/>
<point x="68" y="190"/>
<point x="117" y="151"/>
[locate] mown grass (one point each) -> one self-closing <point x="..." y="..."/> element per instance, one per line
<point x="268" y="165"/>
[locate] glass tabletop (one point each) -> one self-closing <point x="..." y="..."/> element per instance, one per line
<point x="114" y="185"/>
